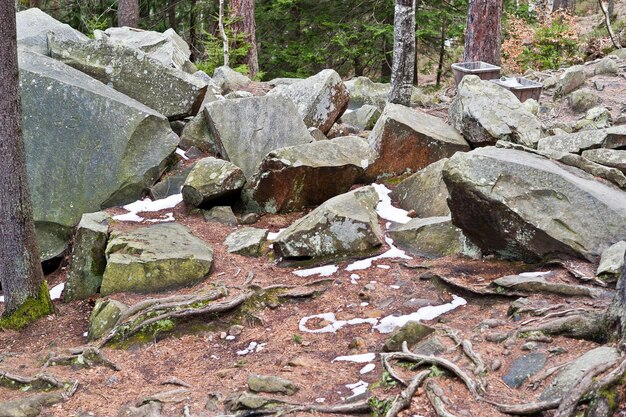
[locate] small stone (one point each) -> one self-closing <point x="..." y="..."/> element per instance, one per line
<point x="271" y="384"/>
<point x="220" y="214"/>
<point x="522" y="368"/>
<point x="248" y="241"/>
<point x="249" y="218"/>
<point x="411" y="333"/>
<point x="496" y="337"/>
<point x="529" y="346"/>
<point x="357" y="345"/>
<point x="495" y="365"/>
<point x="235" y="330"/>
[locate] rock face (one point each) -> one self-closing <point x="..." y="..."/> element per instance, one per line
<point x="197" y="133"/>
<point x="432" y="237"/>
<point x="33" y="27"/>
<point x="345" y="225"/>
<point x="247" y="241"/>
<point x="171" y="183"/>
<point x="485" y="113"/>
<point x="211" y="181"/>
<point x="171" y="92"/>
<point x="425" y="192"/>
<point x="522" y="368"/>
<point x="168" y="47"/>
<point x="612" y="262"/>
<point x="522" y="206"/>
<point x="118" y="146"/>
<point x="570" y="80"/>
<point x="608" y="157"/>
<point x="229" y="80"/>
<point x="363" y="91"/>
<point x="611" y="138"/>
<point x="304" y="175"/>
<point x="247" y="129"/>
<point x="88" y="261"/>
<point x="363" y="118"/>
<point x="155" y="258"/>
<point x="320" y="99"/>
<point x="406" y="140"/>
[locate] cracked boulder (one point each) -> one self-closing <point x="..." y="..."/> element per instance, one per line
<point x="527" y="207"/>
<point x="484" y="113"/>
<point x="320" y="99"/>
<point x="424" y="192"/>
<point x="610" y="138"/>
<point x="155" y="258"/>
<point x="211" y="182"/>
<point x="307" y="175"/>
<point x="345" y="225"/>
<point x="247" y="129"/>
<point x="33" y="27"/>
<point x="171" y="92"/>
<point x="118" y="147"/>
<point x="407" y="140"/>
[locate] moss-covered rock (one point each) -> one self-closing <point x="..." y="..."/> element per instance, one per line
<point x="29" y="311"/>
<point x="247" y="241"/>
<point x="412" y="333"/>
<point x="212" y="180"/>
<point x="432" y="237"/>
<point x="103" y="317"/>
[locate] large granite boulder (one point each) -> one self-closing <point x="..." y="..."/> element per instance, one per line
<point x="33" y="27"/>
<point x="363" y="91"/>
<point x="523" y="206"/>
<point x="211" y="182"/>
<point x="343" y="226"/>
<point x="363" y="118"/>
<point x="307" y="175"/>
<point x="87" y="147"/>
<point x="247" y="129"/>
<point x="197" y="133"/>
<point x="171" y="92"/>
<point x="612" y="262"/>
<point x="168" y="47"/>
<point x="610" y="138"/>
<point x="155" y="258"/>
<point x="570" y="80"/>
<point x="88" y="260"/>
<point x="320" y="99"/>
<point x="407" y="140"/>
<point x="229" y="80"/>
<point x="424" y="192"/>
<point x="432" y="237"/>
<point x="484" y="113"/>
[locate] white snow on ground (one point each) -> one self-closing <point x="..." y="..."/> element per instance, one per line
<point x="362" y="358"/>
<point x="354" y="278"/>
<point x="534" y="274"/>
<point x="357" y="388"/>
<point x="169" y="217"/>
<point x="334" y="323"/>
<point x="147" y="205"/>
<point x="385" y="209"/>
<point x="274" y="235"/>
<point x="181" y="153"/>
<point x="322" y="271"/>
<point x="389" y="323"/>
<point x="252" y="347"/>
<point x="393" y="252"/>
<point x="55" y="292"/>
<point x="367" y="368"/>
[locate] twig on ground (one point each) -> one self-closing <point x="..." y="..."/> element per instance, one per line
<point x="434" y="394"/>
<point x="88" y="355"/>
<point x="403" y="400"/>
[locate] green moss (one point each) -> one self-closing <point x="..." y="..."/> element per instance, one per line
<point x="31" y="310"/>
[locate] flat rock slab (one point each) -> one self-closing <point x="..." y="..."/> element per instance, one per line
<point x="538" y="284"/>
<point x="118" y="147"/>
<point x="523" y="206"/>
<point x="307" y="175"/>
<point x="484" y="113"/>
<point x="424" y="192"/>
<point x="609" y="157"/>
<point x="33" y="27"/>
<point x="612" y="261"/>
<point x="571" y="373"/>
<point x="320" y="99"/>
<point x="412" y="333"/>
<point x="432" y="237"/>
<point x="29" y="406"/>
<point x="345" y="225"/>
<point x="613" y="137"/>
<point x="406" y="140"/>
<point x="155" y="258"/>
<point x="212" y="181"/>
<point x="524" y="367"/>
<point x="247" y="241"/>
<point x="247" y="129"/>
<point x="171" y="92"/>
<point x="271" y="384"/>
<point x="363" y="118"/>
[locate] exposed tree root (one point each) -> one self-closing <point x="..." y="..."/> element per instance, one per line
<point x="435" y="394"/>
<point x="468" y="349"/>
<point x="40" y="381"/>
<point x="587" y="326"/>
<point x="403" y="400"/>
<point x="359" y="407"/>
<point x="88" y="356"/>
<point x="525" y="409"/>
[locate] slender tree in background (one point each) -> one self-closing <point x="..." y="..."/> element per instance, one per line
<point x="128" y="13"/>
<point x="26" y="296"/>
<point x="483" y="32"/>
<point x="242" y="15"/>
<point x="171" y="13"/>
<point x="220" y="25"/>
<point x="403" y="67"/>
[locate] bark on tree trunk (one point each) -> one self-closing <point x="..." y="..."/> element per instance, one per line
<point x="567" y="5"/>
<point x="171" y="13"/>
<point x="20" y="270"/>
<point x="403" y="53"/>
<point x="442" y="51"/>
<point x="242" y="14"/>
<point x="128" y="13"/>
<point x="33" y="3"/>
<point x="220" y="24"/>
<point x="192" y="31"/>
<point x="616" y="316"/>
<point x="483" y="32"/>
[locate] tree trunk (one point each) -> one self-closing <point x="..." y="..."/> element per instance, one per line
<point x="442" y="50"/>
<point x="20" y="269"/>
<point x="607" y="23"/>
<point x="403" y="53"/>
<point x="242" y="14"/>
<point x="483" y="32"/>
<point x="567" y="5"/>
<point x="171" y="13"/>
<point x="616" y="316"/>
<point x="192" y="31"/>
<point x="220" y="24"/>
<point x="128" y="13"/>
<point x="33" y="3"/>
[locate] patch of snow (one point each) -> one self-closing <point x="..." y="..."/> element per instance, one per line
<point x="129" y="217"/>
<point x="367" y="368"/>
<point x="181" y="153"/>
<point x="357" y="388"/>
<point x="169" y="217"/>
<point x="534" y="274"/>
<point x="362" y="358"/>
<point x="334" y="323"/>
<point x="394" y="287"/>
<point x="385" y="209"/>
<point x="251" y="347"/>
<point x="147" y="205"/>
<point x="389" y="323"/>
<point x="364" y="304"/>
<point x="56" y="291"/>
<point x="230" y="337"/>
<point x="393" y="252"/>
<point x="274" y="235"/>
<point x="383" y="266"/>
<point x="320" y="400"/>
<point x="354" y="278"/>
<point x="322" y="271"/>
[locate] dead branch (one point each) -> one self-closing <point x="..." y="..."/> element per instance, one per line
<point x="87" y="355"/>
<point x="468" y="349"/>
<point x="607" y="22"/>
<point x="384" y="359"/>
<point x="403" y="400"/>
<point x="41" y="380"/>
<point x="358" y="407"/>
<point x="525" y="409"/>
<point x="553" y="315"/>
<point x="434" y="394"/>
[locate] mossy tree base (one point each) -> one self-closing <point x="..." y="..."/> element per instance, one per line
<point x="31" y="310"/>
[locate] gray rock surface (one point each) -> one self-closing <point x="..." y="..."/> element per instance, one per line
<point x="612" y="262"/>
<point x="571" y="373"/>
<point x="425" y="192"/>
<point x="364" y="91"/>
<point x="408" y="140"/>
<point x="29" y="406"/>
<point x="538" y="284"/>
<point x="155" y="258"/>
<point x="320" y="99"/>
<point x="598" y="117"/>
<point x="484" y="113"/>
<point x="431" y="237"/>
<point x="523" y="367"/>
<point x="118" y="147"/>
<point x="197" y="133"/>
<point x="221" y="214"/>
<point x="363" y="118"/>
<point x="298" y="176"/>
<point x="33" y="27"/>
<point x="171" y="183"/>
<point x="606" y="65"/>
<point x="412" y="333"/>
<point x="247" y="129"/>
<point x="608" y="157"/>
<point x="570" y="80"/>
<point x="170" y="91"/>
<point x="212" y="181"/>
<point x="104" y="317"/>
<point x="345" y="225"/>
<point x="523" y="206"/>
<point x="88" y="261"/>
<point x="229" y="80"/>
<point x="271" y="384"/>
<point x="613" y="137"/>
<point x="247" y="241"/>
<point x="583" y="99"/>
